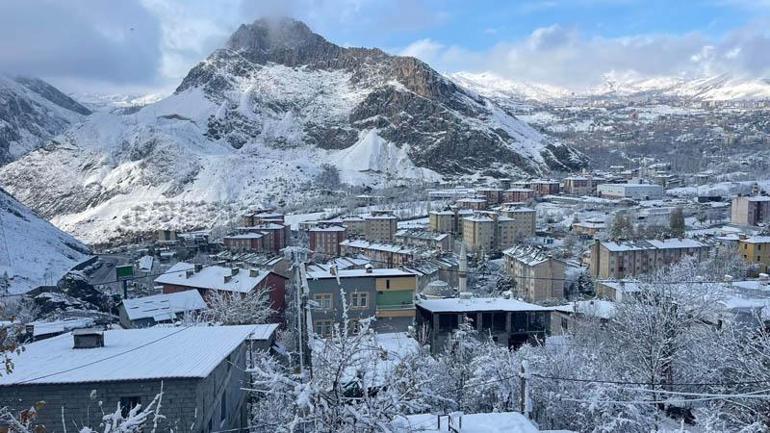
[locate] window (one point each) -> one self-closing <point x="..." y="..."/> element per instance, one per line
<point x="387" y="284"/>
<point x="564" y="324"/>
<point x="447" y="322"/>
<point x="323" y="327"/>
<point x="325" y="300"/>
<point x="223" y="407"/>
<point x="359" y="301"/>
<point x="128" y="403"/>
<point x="499" y="321"/>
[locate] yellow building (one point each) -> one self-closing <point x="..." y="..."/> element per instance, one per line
<point x="756" y="250"/>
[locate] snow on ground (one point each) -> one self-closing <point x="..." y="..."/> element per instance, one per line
<point x="33" y="252"/>
<point x="501" y="422"/>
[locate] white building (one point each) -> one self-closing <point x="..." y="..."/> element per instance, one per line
<point x="636" y="191"/>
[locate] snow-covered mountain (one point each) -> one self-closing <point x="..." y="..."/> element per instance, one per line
<point x="256" y="121"/>
<point x="722" y="87"/>
<point x="31" y="112"/>
<point x="32" y="251"/>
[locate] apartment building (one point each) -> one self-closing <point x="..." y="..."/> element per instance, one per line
<point x="489" y="231"/>
<point x="380" y="226"/>
<point x="425" y="239"/>
<point x="756" y="250"/>
<point x="448" y="220"/>
<point x="518" y="195"/>
<point x="750" y="211"/>
<point x="385" y="294"/>
<point x="545" y="187"/>
<point x="579" y="185"/>
<point x="474" y="203"/>
<point x="326" y="240"/>
<point x="537" y="273"/>
<point x="491" y="195"/>
<point x="629" y="258"/>
<point x="383" y="255"/>
<point x="523" y="220"/>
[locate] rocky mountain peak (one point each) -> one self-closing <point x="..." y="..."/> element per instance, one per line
<point x="269" y="34"/>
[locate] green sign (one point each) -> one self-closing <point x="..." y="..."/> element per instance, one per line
<point x="124" y="272"/>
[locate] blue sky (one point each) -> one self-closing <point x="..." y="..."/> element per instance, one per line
<point x="148" y="45"/>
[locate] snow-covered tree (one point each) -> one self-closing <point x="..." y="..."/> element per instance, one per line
<point x="227" y="308"/>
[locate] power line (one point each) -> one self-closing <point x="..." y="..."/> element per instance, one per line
<point x="623" y="382"/>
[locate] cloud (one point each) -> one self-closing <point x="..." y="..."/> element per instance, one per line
<point x="115" y="41"/>
<point x="564" y="56"/>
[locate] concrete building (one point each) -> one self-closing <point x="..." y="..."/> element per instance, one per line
<point x="750" y="211"/>
<point x="275" y="235"/>
<point x="756" y="250"/>
<point x="510" y="323"/>
<point x="490" y="231"/>
<point x="202" y="370"/>
<point x="579" y="185"/>
<point x="385" y="294"/>
<point x="472" y="203"/>
<point x="262" y="216"/>
<point x="383" y="255"/>
<point x="491" y="195"/>
<point x="164" y="308"/>
<point x="166" y="236"/>
<point x="236" y="281"/>
<point x="518" y="195"/>
<point x="589" y="228"/>
<point x="246" y="242"/>
<point x="629" y="258"/>
<point x="523" y="219"/>
<point x="354" y="226"/>
<point x="635" y="191"/>
<point x="381" y="226"/>
<point x="537" y="273"/>
<point x="545" y="187"/>
<point x="425" y="239"/>
<point x="326" y="240"/>
<point x="448" y="220"/>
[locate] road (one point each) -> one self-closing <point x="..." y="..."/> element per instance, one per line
<point x="105" y="275"/>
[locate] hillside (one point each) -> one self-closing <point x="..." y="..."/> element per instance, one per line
<point x="32" y="251"/>
<point x="31" y="112"/>
<point x="256" y="121"/>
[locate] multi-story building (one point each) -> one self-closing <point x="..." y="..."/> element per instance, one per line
<point x="448" y="220"/>
<point x="383" y="255"/>
<point x="523" y="220"/>
<point x="275" y="235"/>
<point x="262" y="216"/>
<point x="750" y="211"/>
<point x="200" y="370"/>
<point x="629" y="258"/>
<point x="384" y="294"/>
<point x="537" y="273"/>
<point x="636" y="191"/>
<point x="354" y="226"/>
<point x="511" y="323"/>
<point x="425" y="239"/>
<point x="579" y="185"/>
<point x="589" y="228"/>
<point x="756" y="250"/>
<point x="491" y="195"/>
<point x="474" y="203"/>
<point x="380" y="226"/>
<point x="326" y="240"/>
<point x="490" y="231"/>
<point x="251" y="242"/>
<point x="518" y="195"/>
<point x="545" y="187"/>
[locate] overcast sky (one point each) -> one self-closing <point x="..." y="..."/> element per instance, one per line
<point x="139" y="46"/>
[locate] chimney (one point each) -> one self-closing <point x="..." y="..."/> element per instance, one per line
<point x="228" y="278"/>
<point x="253" y="273"/>
<point x="234" y="271"/>
<point x="189" y="273"/>
<point x="368" y="268"/>
<point x="88" y="338"/>
<point x="198" y="267"/>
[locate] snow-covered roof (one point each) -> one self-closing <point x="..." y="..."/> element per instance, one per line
<point x="651" y="244"/>
<point x="598" y="308"/>
<point x="459" y="305"/>
<point x="327" y="229"/>
<point x="40" y="328"/>
<point x="246" y="236"/>
<point x="358" y="273"/>
<point x="529" y="254"/>
<point x="132" y="354"/>
<point x="211" y="278"/>
<point x="391" y="248"/>
<point x="757" y="240"/>
<point x="145" y="263"/>
<point x="164" y="306"/>
<point x="421" y="234"/>
<point x="499" y="422"/>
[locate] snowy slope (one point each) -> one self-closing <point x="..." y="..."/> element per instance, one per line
<point x="253" y="124"/>
<point x="32" y="251"/>
<point x="31" y="112"/>
<point x="709" y="88"/>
